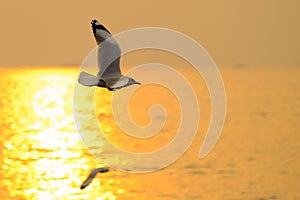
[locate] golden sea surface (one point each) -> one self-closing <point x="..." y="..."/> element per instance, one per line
<point x="256" y="157"/>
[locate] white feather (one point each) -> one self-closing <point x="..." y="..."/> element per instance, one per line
<point x="121" y="82"/>
<point x="109" y="53"/>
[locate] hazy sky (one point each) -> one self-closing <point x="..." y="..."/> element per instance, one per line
<point x="248" y="32"/>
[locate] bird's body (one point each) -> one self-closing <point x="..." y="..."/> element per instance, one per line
<point x="109" y="53"/>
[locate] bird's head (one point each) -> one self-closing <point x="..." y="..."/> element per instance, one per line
<point x="132" y="81"/>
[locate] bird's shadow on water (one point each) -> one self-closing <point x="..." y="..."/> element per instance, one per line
<point x="92" y="175"/>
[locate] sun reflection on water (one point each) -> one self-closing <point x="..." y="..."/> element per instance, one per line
<point x="42" y="157"/>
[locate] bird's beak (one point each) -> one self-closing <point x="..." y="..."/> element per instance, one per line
<point x="138" y="83"/>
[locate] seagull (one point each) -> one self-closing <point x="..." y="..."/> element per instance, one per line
<point x="92" y="176"/>
<point x="109" y="53"/>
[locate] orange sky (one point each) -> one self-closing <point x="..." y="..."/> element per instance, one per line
<point x="257" y="32"/>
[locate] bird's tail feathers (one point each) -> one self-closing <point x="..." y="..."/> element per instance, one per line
<point x="88" y="79"/>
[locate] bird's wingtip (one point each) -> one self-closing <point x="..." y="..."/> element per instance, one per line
<point x="95" y="22"/>
<point x="96" y="25"/>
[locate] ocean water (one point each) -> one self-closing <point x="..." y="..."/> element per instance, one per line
<point x="42" y="156"/>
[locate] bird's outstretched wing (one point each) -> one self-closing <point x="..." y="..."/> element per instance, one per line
<point x="109" y="52"/>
